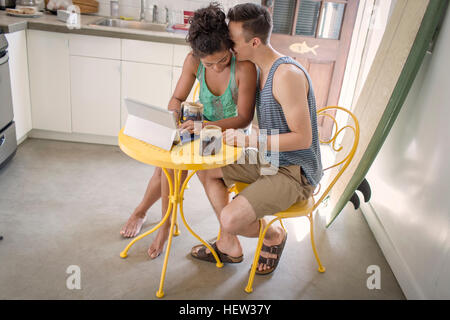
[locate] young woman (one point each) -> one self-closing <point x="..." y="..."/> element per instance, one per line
<point x="227" y="92"/>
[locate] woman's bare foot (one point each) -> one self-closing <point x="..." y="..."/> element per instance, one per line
<point x="157" y="246"/>
<point x="134" y="224"/>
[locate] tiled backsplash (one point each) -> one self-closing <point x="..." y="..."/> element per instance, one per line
<point x="131" y="8"/>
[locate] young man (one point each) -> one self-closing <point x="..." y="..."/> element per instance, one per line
<point x="286" y="110"/>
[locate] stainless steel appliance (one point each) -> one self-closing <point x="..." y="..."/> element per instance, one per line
<point x="8" y="142"/>
<point x="7" y="4"/>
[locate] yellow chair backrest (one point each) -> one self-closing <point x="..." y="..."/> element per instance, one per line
<point x="196" y="90"/>
<point x="342" y="165"/>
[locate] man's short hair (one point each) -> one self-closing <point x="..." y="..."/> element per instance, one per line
<point x="256" y="21"/>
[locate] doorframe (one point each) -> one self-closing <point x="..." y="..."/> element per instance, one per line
<point x="370" y="25"/>
<point x="371" y="22"/>
<point x="435" y="9"/>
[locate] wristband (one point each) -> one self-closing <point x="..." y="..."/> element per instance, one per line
<point x="262" y="142"/>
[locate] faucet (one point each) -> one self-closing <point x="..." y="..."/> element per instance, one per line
<point x="167" y="15"/>
<point x="142" y="14"/>
<point x="155" y="14"/>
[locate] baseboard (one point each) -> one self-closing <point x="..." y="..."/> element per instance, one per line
<point x="399" y="267"/>
<point x="22" y="139"/>
<point x="73" y="137"/>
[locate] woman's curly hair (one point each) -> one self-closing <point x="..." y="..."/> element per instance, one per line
<point x="208" y="32"/>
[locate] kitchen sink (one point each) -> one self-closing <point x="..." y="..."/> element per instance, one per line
<point x="130" y="24"/>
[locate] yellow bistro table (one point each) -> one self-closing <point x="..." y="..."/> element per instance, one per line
<point x="181" y="157"/>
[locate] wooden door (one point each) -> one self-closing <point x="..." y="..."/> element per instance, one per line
<point x="317" y="34"/>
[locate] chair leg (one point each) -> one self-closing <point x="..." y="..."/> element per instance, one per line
<point x="262" y="233"/>
<point x="311" y="224"/>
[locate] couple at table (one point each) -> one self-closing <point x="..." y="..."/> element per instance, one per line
<point x="223" y="59"/>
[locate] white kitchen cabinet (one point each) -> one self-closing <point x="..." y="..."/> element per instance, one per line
<point x="179" y="54"/>
<point x="95" y="95"/>
<point x="20" y="89"/>
<point x="48" y="60"/>
<point x="93" y="46"/>
<point x="150" y="83"/>
<point x="147" y="52"/>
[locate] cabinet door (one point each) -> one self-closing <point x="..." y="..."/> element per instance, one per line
<point x="20" y="89"/>
<point x="93" y="46"/>
<point x="48" y="60"/>
<point x="95" y="95"/>
<point x="147" y="52"/>
<point x="179" y="54"/>
<point x="146" y="82"/>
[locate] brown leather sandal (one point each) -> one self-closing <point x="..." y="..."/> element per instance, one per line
<point x="201" y="254"/>
<point x="271" y="262"/>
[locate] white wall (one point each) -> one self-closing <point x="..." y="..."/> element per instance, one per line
<point x="409" y="212"/>
<point x="131" y="8"/>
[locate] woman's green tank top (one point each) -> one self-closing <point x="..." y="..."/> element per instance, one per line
<point x="218" y="107"/>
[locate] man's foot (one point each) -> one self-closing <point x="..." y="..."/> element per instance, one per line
<point x="157" y="246"/>
<point x="271" y="252"/>
<point x="228" y="252"/>
<point x="202" y="252"/>
<point x="133" y="225"/>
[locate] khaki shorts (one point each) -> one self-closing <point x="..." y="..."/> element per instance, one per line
<point x="268" y="194"/>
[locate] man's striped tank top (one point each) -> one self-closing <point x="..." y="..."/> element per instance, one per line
<point x="271" y="116"/>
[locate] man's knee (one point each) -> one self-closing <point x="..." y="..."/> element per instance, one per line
<point x="237" y="215"/>
<point x="229" y="221"/>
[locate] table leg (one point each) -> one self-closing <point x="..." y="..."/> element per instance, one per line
<point x="124" y="253"/>
<point x="174" y="200"/>
<point x="219" y="264"/>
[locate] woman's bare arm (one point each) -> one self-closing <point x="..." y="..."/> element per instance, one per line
<point x="184" y="84"/>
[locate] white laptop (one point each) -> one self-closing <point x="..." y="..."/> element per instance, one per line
<point x="150" y="124"/>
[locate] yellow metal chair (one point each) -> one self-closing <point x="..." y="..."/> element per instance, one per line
<point x="308" y="207"/>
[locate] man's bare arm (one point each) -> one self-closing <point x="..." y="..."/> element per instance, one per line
<point x="290" y="89"/>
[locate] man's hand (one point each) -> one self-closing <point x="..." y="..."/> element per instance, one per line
<point x="191" y="126"/>
<point x="237" y="138"/>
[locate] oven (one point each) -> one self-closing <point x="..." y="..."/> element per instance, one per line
<point x="8" y="142"/>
